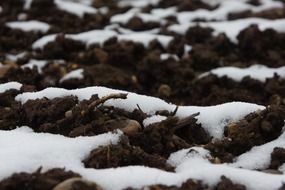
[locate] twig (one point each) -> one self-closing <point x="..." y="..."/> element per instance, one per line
<point x="184" y="122"/>
<point x="173" y="113"/>
<point x="97" y="102"/>
<point x="139" y="108"/>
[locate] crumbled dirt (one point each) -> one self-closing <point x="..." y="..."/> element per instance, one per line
<point x="255" y="129"/>
<point x="37" y="180"/>
<point x="277" y="158"/>
<point x="123" y="154"/>
<point x="226" y="183"/>
<point x="191" y="184"/>
<point x="169" y="136"/>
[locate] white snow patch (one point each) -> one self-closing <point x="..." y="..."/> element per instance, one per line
<point x="177" y="158"/>
<point x="25" y="151"/>
<point x="195" y="164"/>
<point x="163" y="13"/>
<point x="166" y="56"/>
<point x="259" y="157"/>
<point x="9" y="86"/>
<point x="78" y="9"/>
<point x="39" y="64"/>
<point x="225" y="7"/>
<point x="258" y="72"/>
<point x="153" y="119"/>
<point x="137" y="3"/>
<point x="146" y="38"/>
<point x="232" y="28"/>
<point x="75" y="74"/>
<point x="28" y="26"/>
<point x="13" y="57"/>
<point x="40" y="43"/>
<point x="100" y="36"/>
<point x="52" y="151"/>
<point x="125" y="17"/>
<point x="93" y="36"/>
<point x="212" y="118"/>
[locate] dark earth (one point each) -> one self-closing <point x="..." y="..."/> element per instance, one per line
<point x="131" y="66"/>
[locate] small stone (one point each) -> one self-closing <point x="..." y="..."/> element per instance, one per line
<point x="68" y="113"/>
<point x="131" y="127"/>
<point x="164" y="90"/>
<point x="77" y="183"/>
<point x="134" y="79"/>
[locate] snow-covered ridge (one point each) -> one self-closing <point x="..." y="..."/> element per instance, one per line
<point x="9" y="86"/>
<point x="232" y="28"/>
<point x="259" y="157"/>
<point x="28" y="26"/>
<point x="125" y="17"/>
<point x="100" y="36"/>
<point x="258" y="72"/>
<point x="76" y="8"/>
<point x="212" y="118"/>
<point x="47" y="150"/>
<point x="51" y="151"/>
<point x="226" y="7"/>
<point x="75" y="74"/>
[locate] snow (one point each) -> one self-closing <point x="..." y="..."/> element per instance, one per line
<point x="78" y="9"/>
<point x="93" y="36"/>
<point x="212" y="118"/>
<point x="39" y="64"/>
<point x="40" y="43"/>
<point x="195" y="164"/>
<point x="137" y="3"/>
<point x="165" y="56"/>
<point x="226" y="7"/>
<point x="259" y="157"/>
<point x="75" y="74"/>
<point x="51" y="151"/>
<point x="232" y="28"/>
<point x="9" y="86"/>
<point x="46" y="150"/>
<point x="258" y="72"/>
<point x="153" y="119"/>
<point x="15" y="57"/>
<point x="125" y="17"/>
<point x="146" y="38"/>
<point x="28" y="26"/>
<point x="100" y="36"/>
<point x="181" y="156"/>
<point x="163" y="13"/>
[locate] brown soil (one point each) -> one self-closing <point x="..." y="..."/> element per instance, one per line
<point x="37" y="180"/>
